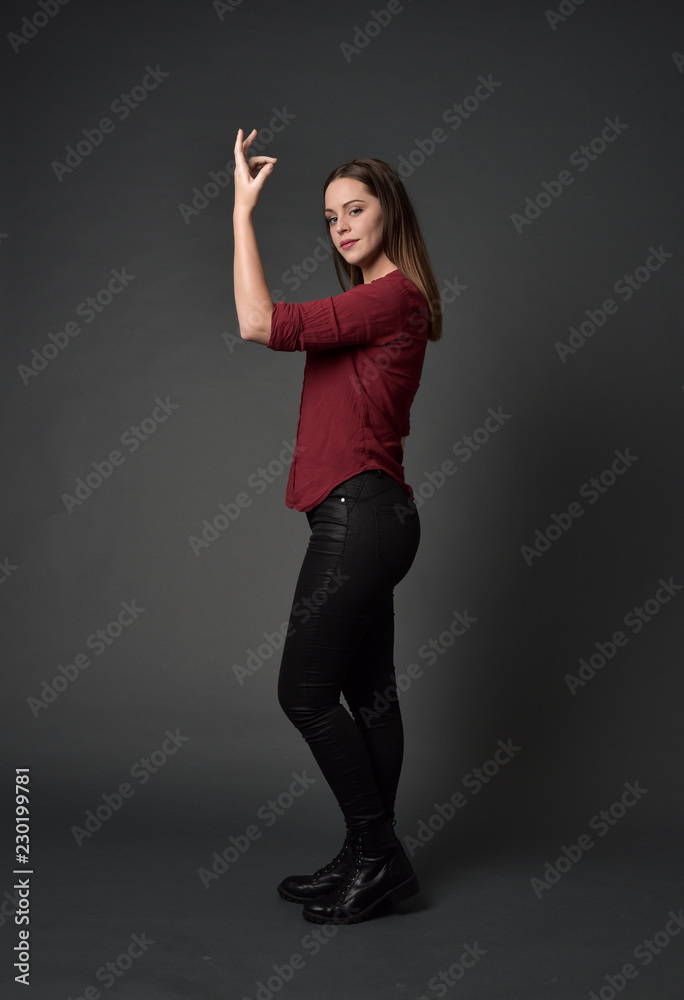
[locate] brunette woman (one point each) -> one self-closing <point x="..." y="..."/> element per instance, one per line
<point x="364" y="358"/>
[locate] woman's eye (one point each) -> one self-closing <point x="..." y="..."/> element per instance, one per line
<point x="331" y="218"/>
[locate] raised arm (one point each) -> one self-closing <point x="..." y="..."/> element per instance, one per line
<point x="253" y="300"/>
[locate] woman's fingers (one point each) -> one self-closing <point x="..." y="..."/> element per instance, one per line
<point x="246" y="141"/>
<point x="250" y="174"/>
<point x="242" y="145"/>
<point x="239" y="143"/>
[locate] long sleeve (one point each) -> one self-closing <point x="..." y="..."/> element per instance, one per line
<point x="375" y="313"/>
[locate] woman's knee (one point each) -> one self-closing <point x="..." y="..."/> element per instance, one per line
<point x="297" y="704"/>
<point x="288" y="699"/>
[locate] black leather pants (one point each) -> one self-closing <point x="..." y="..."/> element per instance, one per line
<point x="364" y="538"/>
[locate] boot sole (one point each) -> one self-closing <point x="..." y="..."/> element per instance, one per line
<point x="397" y="895"/>
<point x="290" y="898"/>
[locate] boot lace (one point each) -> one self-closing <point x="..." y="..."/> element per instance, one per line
<point x="336" y="861"/>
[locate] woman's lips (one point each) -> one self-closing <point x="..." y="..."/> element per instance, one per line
<point x="348" y="243"/>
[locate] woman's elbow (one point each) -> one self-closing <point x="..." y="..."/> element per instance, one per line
<point x="257" y="328"/>
<point x="257" y="334"/>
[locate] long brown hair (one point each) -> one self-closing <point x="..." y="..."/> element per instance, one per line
<point x="402" y="239"/>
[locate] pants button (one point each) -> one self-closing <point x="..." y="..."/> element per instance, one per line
<point x="342" y="499"/>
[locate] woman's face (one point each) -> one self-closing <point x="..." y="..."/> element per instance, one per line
<point x="354" y="214"/>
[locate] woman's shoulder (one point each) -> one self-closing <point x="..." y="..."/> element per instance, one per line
<point x="412" y="297"/>
<point x="394" y="294"/>
<point x="397" y="278"/>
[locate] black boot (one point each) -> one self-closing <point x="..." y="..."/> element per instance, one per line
<point x="302" y="888"/>
<point x="379" y="872"/>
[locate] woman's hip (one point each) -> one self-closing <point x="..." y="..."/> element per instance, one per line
<point x="366" y="527"/>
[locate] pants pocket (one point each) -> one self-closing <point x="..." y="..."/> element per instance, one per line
<point x="329" y="520"/>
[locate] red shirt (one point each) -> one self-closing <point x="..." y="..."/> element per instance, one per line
<point x="364" y="357"/>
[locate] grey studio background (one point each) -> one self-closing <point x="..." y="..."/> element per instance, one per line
<point x="144" y="594"/>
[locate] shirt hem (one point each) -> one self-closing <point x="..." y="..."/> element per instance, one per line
<point x="304" y="507"/>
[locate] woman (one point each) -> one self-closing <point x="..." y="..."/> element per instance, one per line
<point x="364" y="357"/>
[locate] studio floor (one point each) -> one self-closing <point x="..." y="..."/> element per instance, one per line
<point x="150" y="920"/>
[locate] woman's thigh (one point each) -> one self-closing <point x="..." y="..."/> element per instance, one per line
<point x="360" y="547"/>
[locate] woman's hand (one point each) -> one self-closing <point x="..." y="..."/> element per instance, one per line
<point x="250" y="175"/>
